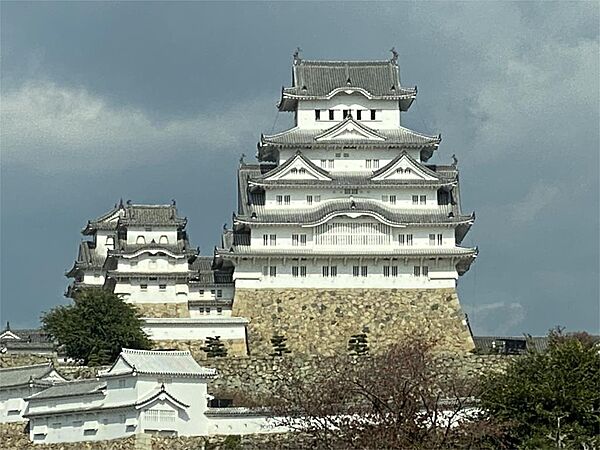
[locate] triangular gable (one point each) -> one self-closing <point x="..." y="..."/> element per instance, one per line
<point x="161" y="396"/>
<point x="349" y="130"/>
<point x="404" y="167"/>
<point x="7" y="334"/>
<point x="120" y="366"/>
<point x="297" y="168"/>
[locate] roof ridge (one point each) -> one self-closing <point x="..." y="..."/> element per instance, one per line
<point x="135" y="351"/>
<point x="29" y="366"/>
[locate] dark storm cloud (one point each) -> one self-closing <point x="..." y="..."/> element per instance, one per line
<point x="153" y="101"/>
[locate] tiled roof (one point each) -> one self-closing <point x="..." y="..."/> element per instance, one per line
<point x="17" y="376"/>
<point x="32" y="335"/>
<point x="321" y="79"/>
<point x="393" y="252"/>
<point x="71" y="389"/>
<point x="399" y="137"/>
<point x="236" y="411"/>
<point x="136" y="215"/>
<point x="165" y="362"/>
<point x="320" y="212"/>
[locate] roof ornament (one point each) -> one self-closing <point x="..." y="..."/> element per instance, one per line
<point x="348" y="81"/>
<point x="297" y="58"/>
<point x="225" y="226"/>
<point x="121" y="203"/>
<point x="128" y="202"/>
<point x="173" y="202"/>
<point x="242" y="162"/>
<point x="7" y="325"/>
<point x="394" y="55"/>
<point x="454" y="161"/>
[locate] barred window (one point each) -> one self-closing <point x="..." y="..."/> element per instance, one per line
<point x="386" y="271"/>
<point x="286" y="199"/>
<point x="363" y="271"/>
<point x="355" y="271"/>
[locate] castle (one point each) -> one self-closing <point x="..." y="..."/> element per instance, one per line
<point x="342" y="227"/>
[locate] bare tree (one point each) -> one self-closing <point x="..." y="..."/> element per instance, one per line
<point x="394" y="399"/>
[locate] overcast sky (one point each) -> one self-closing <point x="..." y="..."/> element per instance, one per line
<point x="155" y="101"/>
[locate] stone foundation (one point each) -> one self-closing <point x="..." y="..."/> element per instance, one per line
<point x="320" y="321"/>
<point x="235" y="347"/>
<point x="163" y="310"/>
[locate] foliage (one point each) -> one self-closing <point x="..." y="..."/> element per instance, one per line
<point x="214" y="348"/>
<point x="380" y="401"/>
<point x="95" y="327"/>
<point x="553" y="397"/>
<point x="279" y="345"/>
<point x="358" y="345"/>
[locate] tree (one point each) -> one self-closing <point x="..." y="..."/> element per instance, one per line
<point x="95" y="327"/>
<point x="552" y="397"/>
<point x="389" y="400"/>
<point x="214" y="348"/>
<point x="279" y="345"/>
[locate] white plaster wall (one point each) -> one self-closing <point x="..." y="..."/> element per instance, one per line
<point x="173" y="293"/>
<point x="298" y="197"/>
<point x="100" y="239"/>
<point x="12" y="404"/>
<point x="240" y="425"/>
<point x="93" y="278"/>
<point x="442" y="275"/>
<point x="149" y="263"/>
<point x="202" y="311"/>
<point x="200" y="329"/>
<point x="387" y="116"/>
<point x="210" y="292"/>
<point x="155" y="233"/>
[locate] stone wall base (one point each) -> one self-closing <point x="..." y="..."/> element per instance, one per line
<point x="163" y="310"/>
<point x="320" y="321"/>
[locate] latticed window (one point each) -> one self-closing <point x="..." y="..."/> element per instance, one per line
<point x="353" y="233"/>
<point x="286" y="199"/>
<point x="355" y="271"/>
<point x="160" y="415"/>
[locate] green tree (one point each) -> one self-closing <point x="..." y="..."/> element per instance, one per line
<point x="552" y="398"/>
<point x="95" y="327"/>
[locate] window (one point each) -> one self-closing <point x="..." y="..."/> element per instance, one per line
<point x="323" y="164"/>
<point x="201" y="310"/>
<point x="390" y="271"/>
<point x="134" y="263"/>
<point x="373" y="112"/>
<point x="338" y="155"/>
<point x="393" y="199"/>
<point x="417" y="271"/>
<point x="272" y="239"/>
<point x="294" y="171"/>
<point x="272" y="271"/>
<point x="375" y="164"/>
<point x="299" y="271"/>
<point x="330" y="163"/>
<point x="363" y="271"/>
<point x="286" y="199"/>
<point x="148" y="229"/>
<point x="399" y="170"/>
<point x="431" y="239"/>
<point x="408" y="170"/>
<point x="317" y="114"/>
<point x="386" y="271"/>
<point x="346" y="113"/>
<point x="355" y="271"/>
<point x="294" y="271"/>
<point x="351" y="191"/>
<point x="162" y="287"/>
<point x="163" y="239"/>
<point x="279" y="199"/>
<point x="294" y="240"/>
<point x="265" y="239"/>
<point x="368" y="163"/>
<point x="302" y="170"/>
<point x="122" y="383"/>
<point x="423" y="199"/>
<point x="425" y="271"/>
<point x="346" y="155"/>
<point x="394" y="271"/>
<point x="110" y="242"/>
<point x="143" y="287"/>
<point x="90" y="432"/>
<point x="265" y="271"/>
<point x="415" y="199"/>
<point x="219" y="293"/>
<point x="421" y="271"/>
<point x="219" y="311"/>
<point x="303" y="240"/>
<point x="405" y="239"/>
<point x="325" y="271"/>
<point x="309" y="199"/>
<point x="317" y="198"/>
<point x="201" y="291"/>
<point x="303" y="271"/>
<point x="140" y="240"/>
<point x="333" y="271"/>
<point x="358" y="114"/>
<point x="440" y="239"/>
<point x="331" y="115"/>
<point x="208" y="310"/>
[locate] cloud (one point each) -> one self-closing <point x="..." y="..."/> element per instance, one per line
<point x="496" y="318"/>
<point x="56" y="128"/>
<point x="539" y="197"/>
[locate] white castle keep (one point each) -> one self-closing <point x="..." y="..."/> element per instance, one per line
<point x="342" y="227"/>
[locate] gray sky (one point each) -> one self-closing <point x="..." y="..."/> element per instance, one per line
<point x="154" y="101"/>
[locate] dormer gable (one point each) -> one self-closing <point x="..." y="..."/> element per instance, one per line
<point x="404" y="167"/>
<point x="350" y="130"/>
<point x="298" y="167"/>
